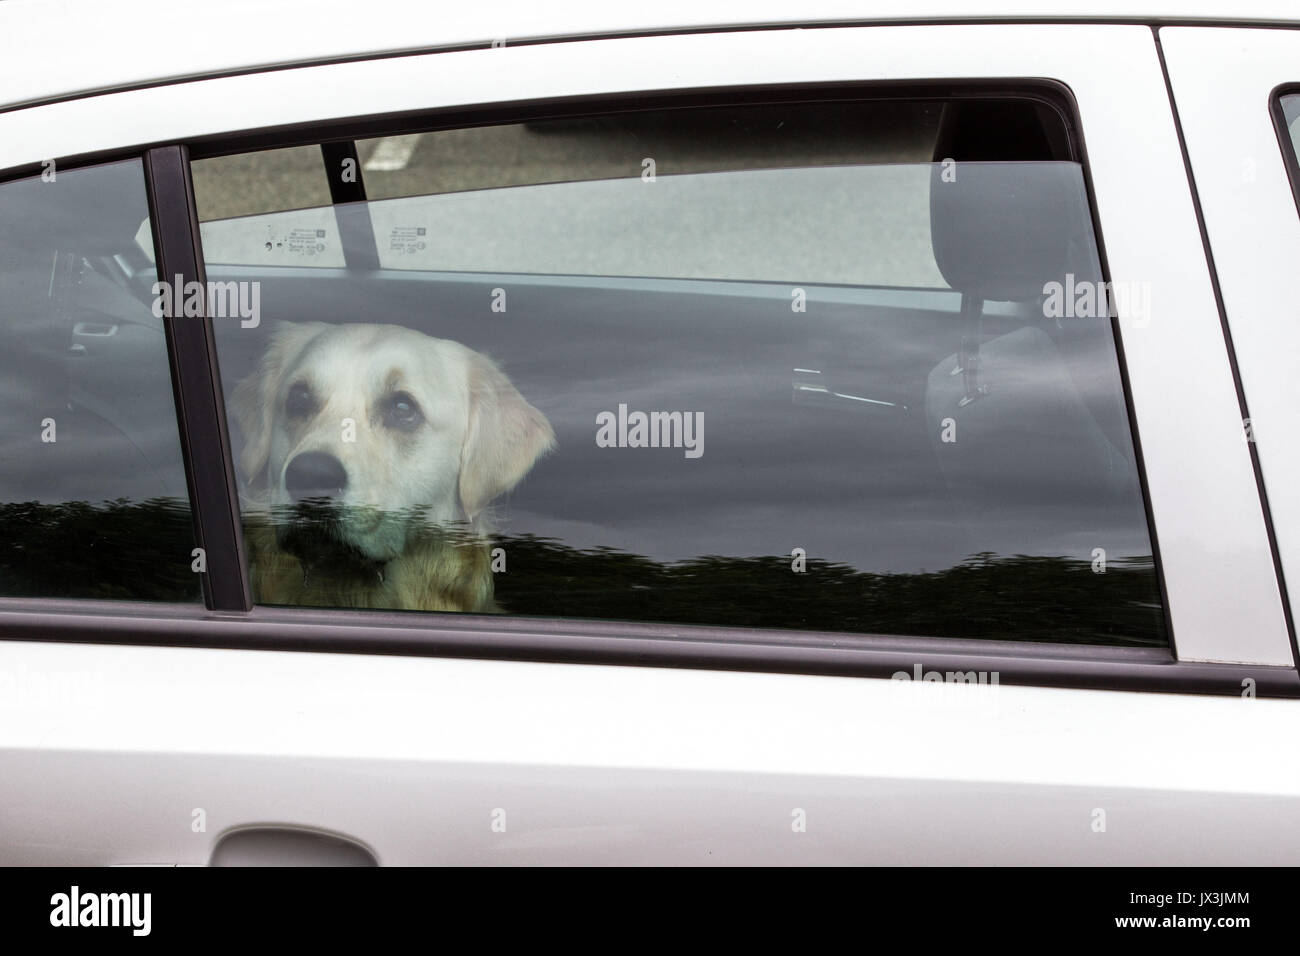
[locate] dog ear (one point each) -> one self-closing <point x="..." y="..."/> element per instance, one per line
<point x="254" y="398"/>
<point x="505" y="438"/>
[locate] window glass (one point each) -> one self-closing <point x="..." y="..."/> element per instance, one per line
<point x="271" y="207"/>
<point x="1290" y="104"/>
<point x="93" y="499"/>
<point x="835" y="367"/>
<point x="242" y="184"/>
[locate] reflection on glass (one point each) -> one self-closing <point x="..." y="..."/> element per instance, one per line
<point x="93" y="500"/>
<point x="910" y="413"/>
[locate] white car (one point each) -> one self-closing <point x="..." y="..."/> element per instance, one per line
<point x="919" y="381"/>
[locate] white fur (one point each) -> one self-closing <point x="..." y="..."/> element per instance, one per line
<point x="478" y="437"/>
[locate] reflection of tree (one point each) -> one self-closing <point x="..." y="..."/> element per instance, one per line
<point x="1019" y="598"/>
<point x="141" y="551"/>
<point x="115" y="549"/>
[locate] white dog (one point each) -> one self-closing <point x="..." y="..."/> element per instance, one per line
<point x="371" y="452"/>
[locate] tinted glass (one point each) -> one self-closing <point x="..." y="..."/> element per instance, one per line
<point x="1291" y="113"/>
<point x="809" y="372"/>
<point x="93" y="499"/>
<point x="1290" y="108"/>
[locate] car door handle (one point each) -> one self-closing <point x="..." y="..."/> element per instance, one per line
<point x="288" y="846"/>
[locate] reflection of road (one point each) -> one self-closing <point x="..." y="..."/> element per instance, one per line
<point x="879" y="236"/>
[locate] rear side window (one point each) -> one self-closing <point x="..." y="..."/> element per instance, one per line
<point x="93" y="499"/>
<point x="835" y="366"/>
<point x="1287" y="115"/>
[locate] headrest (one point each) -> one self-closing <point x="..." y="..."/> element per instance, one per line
<point x="1004" y="212"/>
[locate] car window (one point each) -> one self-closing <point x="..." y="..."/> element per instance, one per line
<point x="566" y="196"/>
<point x="838" y="366"/>
<point x="242" y="184"/>
<point x="504" y="215"/>
<point x="1289" y="105"/>
<point x="1291" y="110"/>
<point x="271" y="207"/>
<point x="93" y="499"/>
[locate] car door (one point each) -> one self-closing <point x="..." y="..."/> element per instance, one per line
<point x="735" y="731"/>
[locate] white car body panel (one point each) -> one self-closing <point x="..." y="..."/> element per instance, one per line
<point x="105" y="44"/>
<point x="1254" y="230"/>
<point x="596" y="764"/>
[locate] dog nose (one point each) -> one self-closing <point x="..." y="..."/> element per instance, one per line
<point x="315" y="474"/>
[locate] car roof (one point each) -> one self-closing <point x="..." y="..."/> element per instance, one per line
<point x="56" y="49"/>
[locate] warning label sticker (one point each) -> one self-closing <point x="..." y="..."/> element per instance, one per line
<point x="300" y="237"/>
<point x="298" y="242"/>
<point x="407" y="240"/>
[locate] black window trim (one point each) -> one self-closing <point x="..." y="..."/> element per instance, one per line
<point x="1049" y="92"/>
<point x="231" y="620"/>
<point x="557" y="640"/>
<point x="196" y="384"/>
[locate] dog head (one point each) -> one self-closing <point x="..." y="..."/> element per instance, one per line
<point x="357" y="436"/>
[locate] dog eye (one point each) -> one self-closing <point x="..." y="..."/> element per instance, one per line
<point x="300" y="401"/>
<point x="401" y="411"/>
